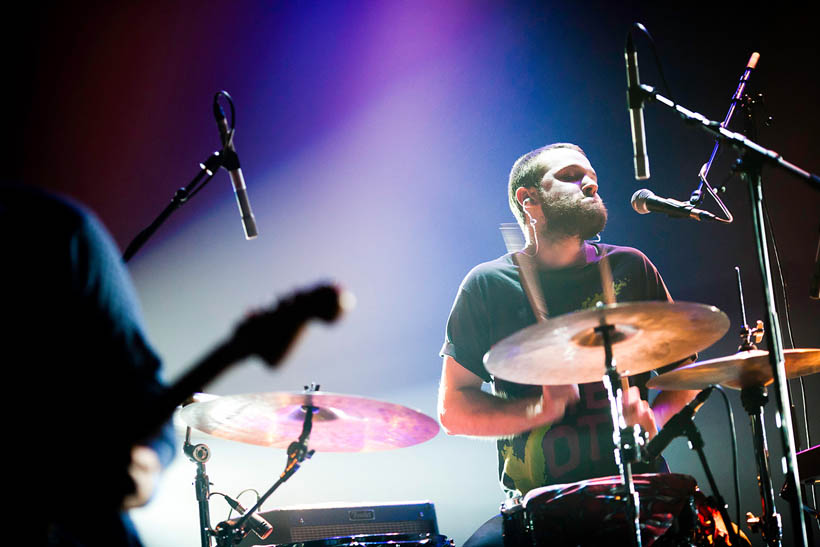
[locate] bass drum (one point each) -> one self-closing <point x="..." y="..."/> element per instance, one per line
<point x="674" y="513"/>
<point x="405" y="540"/>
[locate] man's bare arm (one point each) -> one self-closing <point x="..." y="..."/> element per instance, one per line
<point x="464" y="409"/>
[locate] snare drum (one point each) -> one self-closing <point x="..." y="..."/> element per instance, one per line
<point x="673" y="513"/>
<point x="403" y="540"/>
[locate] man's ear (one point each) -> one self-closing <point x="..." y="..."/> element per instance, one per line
<point x="526" y="197"/>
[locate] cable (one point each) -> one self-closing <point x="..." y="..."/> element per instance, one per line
<point x="787" y="322"/>
<point x="643" y="29"/>
<point x="734" y="450"/>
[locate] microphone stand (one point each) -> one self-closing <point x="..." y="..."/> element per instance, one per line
<point x="697" y="195"/>
<point x="696" y="443"/>
<point x="752" y="159"/>
<point x="209" y="168"/>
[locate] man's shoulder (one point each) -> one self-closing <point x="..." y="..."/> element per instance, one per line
<point x="18" y="203"/>
<point x="622" y="253"/>
<point x="498" y="270"/>
<point x="620" y="250"/>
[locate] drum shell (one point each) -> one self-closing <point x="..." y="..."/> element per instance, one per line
<point x="591" y="513"/>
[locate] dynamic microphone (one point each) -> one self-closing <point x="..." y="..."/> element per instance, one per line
<point x="645" y="201"/>
<point x="255" y="523"/>
<point x="634" y="101"/>
<point x="675" y="426"/>
<point x="230" y="161"/>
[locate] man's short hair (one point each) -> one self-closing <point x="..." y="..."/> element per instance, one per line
<point x="528" y="171"/>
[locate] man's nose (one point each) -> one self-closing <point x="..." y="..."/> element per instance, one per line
<point x="589" y="187"/>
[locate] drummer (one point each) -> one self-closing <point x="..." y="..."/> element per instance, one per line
<point x="550" y="434"/>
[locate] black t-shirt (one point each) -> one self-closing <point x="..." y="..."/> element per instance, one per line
<point x="491" y="305"/>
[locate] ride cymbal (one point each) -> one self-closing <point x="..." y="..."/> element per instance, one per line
<point x="568" y="350"/>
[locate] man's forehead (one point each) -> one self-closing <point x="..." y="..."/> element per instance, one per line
<point x="556" y="159"/>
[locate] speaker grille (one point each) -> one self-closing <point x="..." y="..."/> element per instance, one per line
<point x="308" y="533"/>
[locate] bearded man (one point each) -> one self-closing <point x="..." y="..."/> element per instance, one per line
<point x="551" y="434"/>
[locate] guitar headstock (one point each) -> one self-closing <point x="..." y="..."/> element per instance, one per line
<point x="269" y="333"/>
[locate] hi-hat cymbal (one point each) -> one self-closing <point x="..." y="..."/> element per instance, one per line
<point x="743" y="369"/>
<point x="343" y="423"/>
<point x="568" y="350"/>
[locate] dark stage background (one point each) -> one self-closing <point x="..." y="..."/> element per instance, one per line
<point x="376" y="139"/>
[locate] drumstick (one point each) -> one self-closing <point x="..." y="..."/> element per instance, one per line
<point x="608" y="286"/>
<point x="514" y="241"/>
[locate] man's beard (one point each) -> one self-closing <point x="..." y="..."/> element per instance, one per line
<point x="569" y="216"/>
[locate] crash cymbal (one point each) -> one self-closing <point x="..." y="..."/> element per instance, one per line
<point x="568" y="350"/>
<point x="343" y="423"/>
<point x="743" y="369"/>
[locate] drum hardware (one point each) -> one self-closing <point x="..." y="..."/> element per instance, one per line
<point x="199" y="454"/>
<point x="344" y="423"/>
<point x="683" y="424"/>
<point x="749" y="370"/>
<point x="566" y="350"/>
<point x="229" y="532"/>
<point x="338" y="423"/>
<point x="752" y="158"/>
<point x="754" y="397"/>
<point x="628" y="440"/>
<point x="673" y="511"/>
<point x="769" y="523"/>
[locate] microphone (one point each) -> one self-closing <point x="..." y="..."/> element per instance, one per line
<point x="230" y="161"/>
<point x="697" y="194"/>
<point x="634" y="102"/>
<point x="645" y="201"/>
<point x="255" y="523"/>
<point x="675" y="426"/>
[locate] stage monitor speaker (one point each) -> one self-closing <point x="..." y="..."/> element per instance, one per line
<point x="312" y="522"/>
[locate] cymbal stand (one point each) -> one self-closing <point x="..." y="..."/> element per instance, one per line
<point x="754" y="398"/>
<point x="627" y="440"/>
<point x="199" y="454"/>
<point x="231" y="532"/>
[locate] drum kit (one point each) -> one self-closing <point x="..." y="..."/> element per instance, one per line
<point x="648" y="509"/>
<point x="579" y="347"/>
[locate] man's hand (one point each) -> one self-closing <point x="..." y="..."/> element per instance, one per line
<point x="144" y="470"/>
<point x="464" y="409"/>
<point x="638" y="411"/>
<point x="555" y="400"/>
